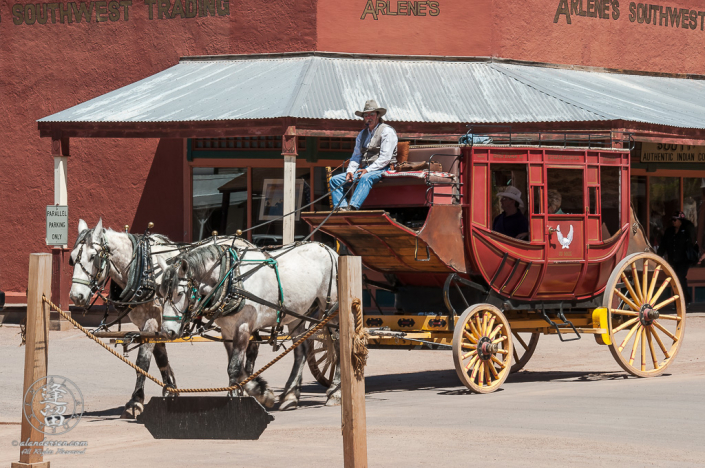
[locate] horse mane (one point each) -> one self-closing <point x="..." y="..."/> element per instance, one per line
<point x="197" y="258"/>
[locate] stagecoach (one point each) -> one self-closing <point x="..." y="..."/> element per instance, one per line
<point x="585" y="270"/>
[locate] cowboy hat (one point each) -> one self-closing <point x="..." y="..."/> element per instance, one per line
<point x="371" y="106"/>
<point x="513" y="193"/>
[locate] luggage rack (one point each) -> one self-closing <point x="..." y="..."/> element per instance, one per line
<point x="503" y="136"/>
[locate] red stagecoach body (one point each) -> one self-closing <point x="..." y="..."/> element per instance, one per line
<point x="450" y="230"/>
<point x="583" y="269"/>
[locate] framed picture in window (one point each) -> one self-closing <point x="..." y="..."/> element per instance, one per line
<point x="272" y="205"/>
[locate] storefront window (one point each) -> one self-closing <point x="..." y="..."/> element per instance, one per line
<point x="664" y="197"/>
<point x="320" y="177"/>
<point x="693" y="189"/>
<point x="268" y="204"/>
<point x="219" y="201"/>
<point x="639" y="198"/>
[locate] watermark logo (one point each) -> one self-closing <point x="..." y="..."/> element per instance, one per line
<point x="53" y="405"/>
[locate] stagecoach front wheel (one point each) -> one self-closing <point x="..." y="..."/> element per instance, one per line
<point x="646" y="316"/>
<point x="482" y="348"/>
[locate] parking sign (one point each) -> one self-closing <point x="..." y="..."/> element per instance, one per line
<point x="57" y="225"/>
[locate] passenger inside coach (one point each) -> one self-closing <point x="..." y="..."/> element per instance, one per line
<point x="511" y="222"/>
<point x="554" y="202"/>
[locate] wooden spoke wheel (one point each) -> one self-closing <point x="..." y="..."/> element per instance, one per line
<point x="524" y="347"/>
<point x="321" y="357"/>
<point x="482" y="348"/>
<point x="646" y="316"/>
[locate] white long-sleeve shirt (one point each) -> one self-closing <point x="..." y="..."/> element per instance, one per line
<point x="386" y="150"/>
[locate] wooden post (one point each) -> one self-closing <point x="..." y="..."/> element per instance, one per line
<point x="36" y="348"/>
<point x="289" y="152"/>
<point x="353" y="390"/>
<point x="60" y="271"/>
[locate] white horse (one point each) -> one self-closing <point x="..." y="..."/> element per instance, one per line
<point x="99" y="254"/>
<point x="306" y="276"/>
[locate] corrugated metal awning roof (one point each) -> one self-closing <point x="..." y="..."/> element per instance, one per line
<point x="430" y="91"/>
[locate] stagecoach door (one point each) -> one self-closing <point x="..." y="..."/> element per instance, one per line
<point x="565" y="231"/>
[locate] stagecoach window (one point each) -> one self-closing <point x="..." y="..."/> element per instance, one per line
<point x="538" y="200"/>
<point x="504" y="175"/>
<point x="610" y="197"/>
<point x="592" y="192"/>
<point x="569" y="185"/>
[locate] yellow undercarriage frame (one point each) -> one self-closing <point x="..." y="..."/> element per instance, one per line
<point x="599" y="320"/>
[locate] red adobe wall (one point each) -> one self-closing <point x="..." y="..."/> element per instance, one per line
<point x="45" y="68"/>
<point x="601" y="33"/>
<point x="612" y="37"/>
<point x="442" y="27"/>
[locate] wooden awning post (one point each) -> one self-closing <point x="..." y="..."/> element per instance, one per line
<point x="289" y="153"/>
<point x="60" y="152"/>
<point x="61" y="284"/>
<point x="36" y="352"/>
<point x="352" y="389"/>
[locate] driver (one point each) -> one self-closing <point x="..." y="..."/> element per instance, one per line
<point x="511" y="222"/>
<point x="375" y="150"/>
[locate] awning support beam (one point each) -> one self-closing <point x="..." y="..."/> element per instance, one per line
<point x="289" y="152"/>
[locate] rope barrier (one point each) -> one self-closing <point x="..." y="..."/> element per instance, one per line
<point x="359" y="347"/>
<point x="173" y="390"/>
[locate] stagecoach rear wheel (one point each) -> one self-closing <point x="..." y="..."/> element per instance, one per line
<point x="482" y="348"/>
<point x="646" y="314"/>
<point x="321" y="357"/>
<point x="524" y="347"/>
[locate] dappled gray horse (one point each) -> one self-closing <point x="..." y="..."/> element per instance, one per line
<point x="100" y="254"/>
<point x="303" y="275"/>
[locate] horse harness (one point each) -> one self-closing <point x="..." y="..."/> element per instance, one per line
<point x="141" y="283"/>
<point x="230" y="295"/>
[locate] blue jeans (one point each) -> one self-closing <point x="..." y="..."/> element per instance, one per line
<point x="338" y="185"/>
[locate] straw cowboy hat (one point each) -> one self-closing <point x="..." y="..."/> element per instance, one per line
<point x="371" y="106"/>
<point x="513" y="193"/>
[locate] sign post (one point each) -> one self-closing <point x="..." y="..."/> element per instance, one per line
<point x="57" y="236"/>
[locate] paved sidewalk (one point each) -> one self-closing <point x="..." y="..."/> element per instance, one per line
<point x="572" y="407"/>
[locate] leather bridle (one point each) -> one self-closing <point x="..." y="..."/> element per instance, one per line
<point x="101" y="262"/>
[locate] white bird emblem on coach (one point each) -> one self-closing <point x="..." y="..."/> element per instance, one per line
<point x="564" y="241"/>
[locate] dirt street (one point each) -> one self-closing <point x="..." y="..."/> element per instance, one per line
<point x="572" y="406"/>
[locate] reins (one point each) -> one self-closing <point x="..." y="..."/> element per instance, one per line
<point x="197" y="306"/>
<point x="141" y="285"/>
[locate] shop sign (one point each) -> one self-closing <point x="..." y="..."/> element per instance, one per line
<point x="376" y="8"/>
<point x="57" y="225"/>
<point x="114" y="10"/>
<point x="641" y="13"/>
<point x="668" y="153"/>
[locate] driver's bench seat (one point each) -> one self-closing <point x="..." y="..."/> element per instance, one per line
<point x="419" y="188"/>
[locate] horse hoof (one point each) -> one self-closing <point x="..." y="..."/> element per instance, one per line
<point x="266" y="399"/>
<point x="288" y="405"/>
<point x="333" y="400"/>
<point x="132" y="411"/>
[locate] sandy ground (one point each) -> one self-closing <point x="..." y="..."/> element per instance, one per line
<point x="572" y="406"/>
